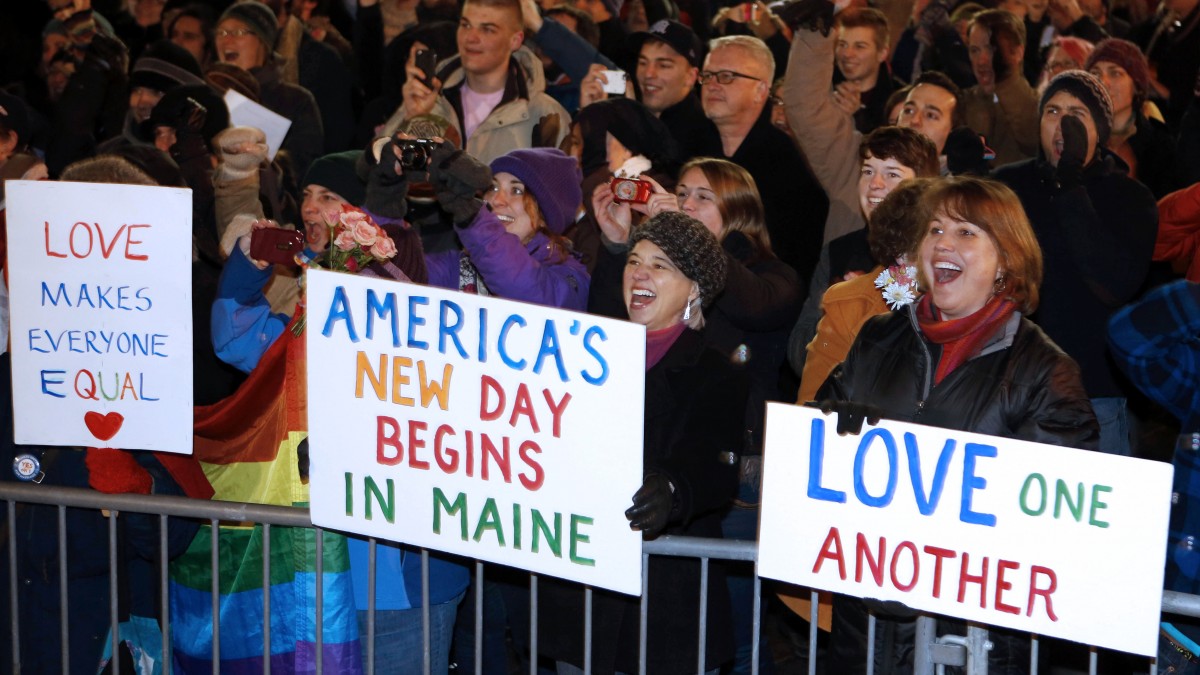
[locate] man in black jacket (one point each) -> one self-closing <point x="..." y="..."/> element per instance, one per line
<point x="1096" y="226"/>
<point x="668" y="65"/>
<point x="736" y="83"/>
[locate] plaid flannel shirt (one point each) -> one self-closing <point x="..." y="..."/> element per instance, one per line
<point x="1156" y="341"/>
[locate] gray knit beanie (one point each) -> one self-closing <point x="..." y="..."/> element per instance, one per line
<point x="690" y="246"/>
<point x="1091" y="91"/>
<point x="258" y="18"/>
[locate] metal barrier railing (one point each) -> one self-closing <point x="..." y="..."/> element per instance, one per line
<point x="932" y="652"/>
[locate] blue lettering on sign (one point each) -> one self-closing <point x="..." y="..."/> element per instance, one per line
<point x="926" y="496"/>
<point x="816" y="457"/>
<point x="860" y="461"/>
<point x="971" y="482"/>
<point x="927" y="502"/>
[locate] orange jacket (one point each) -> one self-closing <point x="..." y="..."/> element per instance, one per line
<point x="845" y="307"/>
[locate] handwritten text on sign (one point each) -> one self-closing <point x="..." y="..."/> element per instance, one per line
<point x="1050" y="540"/>
<point x="494" y="429"/>
<point x="100" y="293"/>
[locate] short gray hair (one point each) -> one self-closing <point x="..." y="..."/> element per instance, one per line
<point x="757" y="49"/>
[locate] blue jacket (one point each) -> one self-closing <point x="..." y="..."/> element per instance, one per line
<point x="531" y="273"/>
<point x="1154" y="342"/>
<point x="243" y="328"/>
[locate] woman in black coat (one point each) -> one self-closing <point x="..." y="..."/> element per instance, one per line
<point x="963" y="357"/>
<point x="694" y="408"/>
<point x="749" y="322"/>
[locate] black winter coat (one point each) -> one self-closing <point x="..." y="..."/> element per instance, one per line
<point x="749" y="323"/>
<point x="695" y="402"/>
<point x="1097" y="240"/>
<point x="1021" y="385"/>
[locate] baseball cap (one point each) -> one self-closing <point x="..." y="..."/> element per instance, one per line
<point x="680" y="38"/>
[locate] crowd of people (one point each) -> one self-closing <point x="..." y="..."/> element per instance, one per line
<point x="981" y="215"/>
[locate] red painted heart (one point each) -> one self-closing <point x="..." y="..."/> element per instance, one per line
<point x="103" y="427"/>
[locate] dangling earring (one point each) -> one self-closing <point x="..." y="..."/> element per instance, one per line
<point x="998" y="286"/>
<point x="687" y="311"/>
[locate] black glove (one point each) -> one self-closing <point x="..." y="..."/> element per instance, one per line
<point x="189" y="132"/>
<point x="851" y="415"/>
<point x="387" y="186"/>
<point x="891" y="609"/>
<point x="652" y="505"/>
<point x="1069" y="171"/>
<point x="457" y="180"/>
<point x="813" y="15"/>
<point x="966" y="153"/>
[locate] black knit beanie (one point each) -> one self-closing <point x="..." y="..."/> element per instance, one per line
<point x="1088" y="89"/>
<point x="690" y="246"/>
<point x="336" y="172"/>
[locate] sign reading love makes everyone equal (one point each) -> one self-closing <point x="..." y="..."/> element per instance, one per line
<point x="1049" y="540"/>
<point x="494" y="429"/>
<point x="101" y="314"/>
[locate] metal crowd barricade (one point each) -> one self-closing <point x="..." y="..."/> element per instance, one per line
<point x="932" y="652"/>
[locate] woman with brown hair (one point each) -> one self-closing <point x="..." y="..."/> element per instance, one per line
<point x="893" y="236"/>
<point x="962" y="357"/>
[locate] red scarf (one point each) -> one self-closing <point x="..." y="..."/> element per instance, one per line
<point x="961" y="338"/>
<point x="659" y="341"/>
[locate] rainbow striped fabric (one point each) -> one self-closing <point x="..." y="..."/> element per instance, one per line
<point x="248" y="447"/>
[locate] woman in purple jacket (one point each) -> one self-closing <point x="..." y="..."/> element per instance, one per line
<point x="512" y="238"/>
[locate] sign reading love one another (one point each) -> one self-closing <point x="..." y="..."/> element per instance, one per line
<point x="1039" y="538"/>
<point x="101" y="314"/>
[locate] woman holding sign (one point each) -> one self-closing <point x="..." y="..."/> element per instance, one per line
<point x="694" y="414"/>
<point x="963" y="357"/>
<point x="254" y="450"/>
<point x="749" y="321"/>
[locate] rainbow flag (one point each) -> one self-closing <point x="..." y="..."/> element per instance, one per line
<point x="248" y="446"/>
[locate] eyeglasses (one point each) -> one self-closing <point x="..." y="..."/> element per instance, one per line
<point x="775" y="100"/>
<point x="236" y="32"/>
<point x="724" y="76"/>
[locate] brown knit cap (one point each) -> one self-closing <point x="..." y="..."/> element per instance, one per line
<point x="226" y="76"/>
<point x="689" y="245"/>
<point x="1127" y="55"/>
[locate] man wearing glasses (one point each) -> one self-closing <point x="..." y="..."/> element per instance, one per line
<point x="735" y="86"/>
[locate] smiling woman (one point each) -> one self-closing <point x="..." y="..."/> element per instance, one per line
<point x="963" y="357"/>
<point x="512" y="239"/>
<point x="694" y="415"/>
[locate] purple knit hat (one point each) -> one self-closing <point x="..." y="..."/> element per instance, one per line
<point x="552" y="177"/>
<point x="1127" y="55"/>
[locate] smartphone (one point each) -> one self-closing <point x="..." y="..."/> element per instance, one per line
<point x="276" y="246"/>
<point x="616" y="81"/>
<point x="426" y="60"/>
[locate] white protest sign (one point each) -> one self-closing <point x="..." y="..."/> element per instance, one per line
<point x="246" y="113"/>
<point x="498" y="430"/>
<point x="1054" y="541"/>
<point x="100" y="293"/>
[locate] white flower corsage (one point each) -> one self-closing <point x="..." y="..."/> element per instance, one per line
<point x="899" y="285"/>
